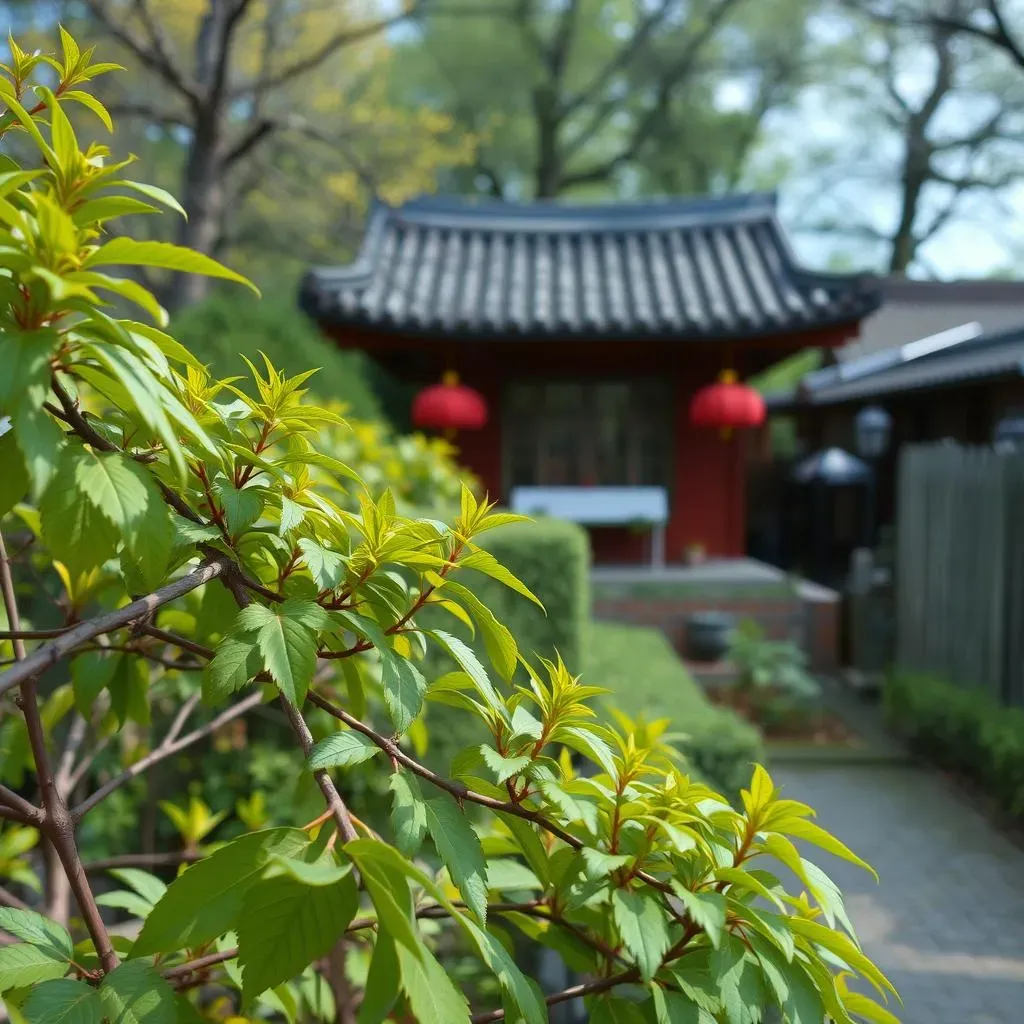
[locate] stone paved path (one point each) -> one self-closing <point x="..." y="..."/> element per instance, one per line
<point x="947" y="921"/>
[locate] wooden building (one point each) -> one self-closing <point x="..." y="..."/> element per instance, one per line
<point x="588" y="330"/>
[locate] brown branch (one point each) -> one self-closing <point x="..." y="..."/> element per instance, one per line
<point x="589" y="988"/>
<point x="144" y="860"/>
<point x="49" y="654"/>
<point x="177" y="641"/>
<point x="169" y="746"/>
<point x="57" y="823"/>
<point x="33" y="634"/>
<point x="7" y="898"/>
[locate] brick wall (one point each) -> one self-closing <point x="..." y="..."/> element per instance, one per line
<point x="813" y="624"/>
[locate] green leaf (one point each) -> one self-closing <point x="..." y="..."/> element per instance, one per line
<point x="388" y="890"/>
<point x="123" y="251"/>
<point x="408" y="813"/>
<point x="707" y="909"/>
<point x="37" y="930"/>
<point x="381" y="992"/>
<point x="641" y="924"/>
<point x="14" y="481"/>
<point x="459" y="848"/>
<point x="288" y="647"/>
<point x="205" y="901"/>
<point x="75" y="531"/>
<point x="134" y="993"/>
<point x="292" y="514"/>
<point x="285" y="925"/>
<point x="865" y="1007"/>
<point x="675" y="1008"/>
<point x="509" y="976"/>
<point x="90" y="102"/>
<point x="22" y="964"/>
<point x="432" y="995"/>
<point x="155" y="193"/>
<point x="242" y="508"/>
<point x="609" y="1009"/>
<point x="326" y="567"/>
<point x="325" y="871"/>
<point x="129" y="690"/>
<point x="498" y="640"/>
<point x="64" y="1002"/>
<point x="484" y="562"/>
<point x="342" y="750"/>
<point x="504" y="768"/>
<point x="467" y="660"/>
<point x="801" y="828"/>
<point x="131" y="902"/>
<point x="95" y="211"/>
<point x="236" y="661"/>
<point x="504" y="873"/>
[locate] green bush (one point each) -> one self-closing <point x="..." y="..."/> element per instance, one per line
<point x="647" y="679"/>
<point x="225" y="326"/>
<point x="552" y="557"/>
<point x="963" y="730"/>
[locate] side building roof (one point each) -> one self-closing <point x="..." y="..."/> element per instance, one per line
<point x="680" y="268"/>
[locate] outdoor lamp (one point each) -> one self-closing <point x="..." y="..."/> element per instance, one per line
<point x="1009" y="432"/>
<point x="872" y="427"/>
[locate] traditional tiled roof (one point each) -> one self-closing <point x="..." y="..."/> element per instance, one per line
<point x="687" y="269"/>
<point x="972" y="360"/>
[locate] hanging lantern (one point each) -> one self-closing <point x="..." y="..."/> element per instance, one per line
<point x="728" y="405"/>
<point x="449" y="406"/>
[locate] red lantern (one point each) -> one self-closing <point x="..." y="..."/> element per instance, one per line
<point x="728" y="405"/>
<point x="449" y="406"/>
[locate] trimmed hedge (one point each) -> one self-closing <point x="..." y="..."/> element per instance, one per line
<point x="648" y="679"/>
<point x="552" y="558"/>
<point x="963" y="730"/>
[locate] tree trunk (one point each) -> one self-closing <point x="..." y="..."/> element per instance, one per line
<point x="548" y="176"/>
<point x="904" y="242"/>
<point x="204" y="201"/>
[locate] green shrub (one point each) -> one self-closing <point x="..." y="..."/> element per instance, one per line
<point x="226" y="326"/>
<point x="963" y="730"/>
<point x="552" y="558"/>
<point x="647" y="679"/>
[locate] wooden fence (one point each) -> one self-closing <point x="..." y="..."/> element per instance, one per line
<point x="959" y="569"/>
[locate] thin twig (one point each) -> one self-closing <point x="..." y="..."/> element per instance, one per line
<point x="588" y="988"/>
<point x="169" y="745"/>
<point x="57" y="823"/>
<point x="7" y="898"/>
<point x="49" y="654"/>
<point x="144" y="860"/>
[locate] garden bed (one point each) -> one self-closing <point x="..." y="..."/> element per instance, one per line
<point x="815" y="727"/>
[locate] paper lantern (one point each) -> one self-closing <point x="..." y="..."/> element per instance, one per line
<point x="727" y="405"/>
<point x="449" y="406"/>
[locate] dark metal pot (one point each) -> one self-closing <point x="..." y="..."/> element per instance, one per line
<point x="706" y="635"/>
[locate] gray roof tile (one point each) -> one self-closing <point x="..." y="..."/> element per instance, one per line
<point x="687" y="268"/>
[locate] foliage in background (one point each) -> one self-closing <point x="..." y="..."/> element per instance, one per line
<point x="962" y="729"/>
<point x="645" y="678"/>
<point x="222" y="326"/>
<point x="770" y="665"/>
<point x="193" y="530"/>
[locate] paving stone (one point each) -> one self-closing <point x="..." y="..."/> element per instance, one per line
<point x="946" y="921"/>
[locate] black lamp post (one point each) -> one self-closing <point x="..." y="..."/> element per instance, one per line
<point x="872" y="430"/>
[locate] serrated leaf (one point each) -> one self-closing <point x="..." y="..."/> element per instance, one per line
<point x="431" y="994"/>
<point x="134" y="993"/>
<point x="675" y="1008"/>
<point x="707" y="909"/>
<point x="236" y="661"/>
<point x="14" y="481"/>
<point x="22" y="964"/>
<point x="326" y="567"/>
<point x="388" y="889"/>
<point x="292" y="514"/>
<point x="124" y="251"/>
<point x="381" y="992"/>
<point x="408" y="813"/>
<point x="37" y="930"/>
<point x="504" y="768"/>
<point x="467" y="660"/>
<point x="459" y="848"/>
<point x="63" y="1002"/>
<point x="342" y="750"/>
<point x="641" y="924"/>
<point x="242" y="507"/>
<point x="510" y="977"/>
<point x="286" y="925"/>
<point x="498" y="640"/>
<point x="484" y="562"/>
<point x="205" y="901"/>
<point x="325" y="871"/>
<point x="288" y="647"/>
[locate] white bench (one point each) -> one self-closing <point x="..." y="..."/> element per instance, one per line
<point x="600" y="506"/>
